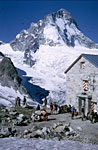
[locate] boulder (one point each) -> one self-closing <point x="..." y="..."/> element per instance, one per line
<point x="79" y="128"/>
<point x="6" y="132"/>
<point x="60" y="129"/>
<point x="45" y="131"/>
<point x="21" y="120"/>
<point x="27" y="131"/>
<point x="57" y="124"/>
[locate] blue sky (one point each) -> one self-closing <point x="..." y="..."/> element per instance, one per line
<point x="16" y="15"/>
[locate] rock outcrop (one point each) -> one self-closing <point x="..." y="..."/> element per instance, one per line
<point x="8" y="74"/>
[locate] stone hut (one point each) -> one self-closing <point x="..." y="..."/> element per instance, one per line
<point x="82" y="83"/>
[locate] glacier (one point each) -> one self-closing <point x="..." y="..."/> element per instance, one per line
<point x="48" y="71"/>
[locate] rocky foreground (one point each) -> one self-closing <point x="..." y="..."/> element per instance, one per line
<point x="17" y="122"/>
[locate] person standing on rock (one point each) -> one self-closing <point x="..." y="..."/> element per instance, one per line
<point x="72" y="112"/>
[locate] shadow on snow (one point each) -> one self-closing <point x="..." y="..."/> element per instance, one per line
<point x="35" y="91"/>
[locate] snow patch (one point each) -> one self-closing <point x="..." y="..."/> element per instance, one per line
<point x="17" y="36"/>
<point x="60" y="23"/>
<point x="50" y="33"/>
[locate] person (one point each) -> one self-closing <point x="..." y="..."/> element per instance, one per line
<point x="16" y="101"/>
<point x="95" y="116"/>
<point x="55" y="107"/>
<point x="45" y="102"/>
<point x="83" y="113"/>
<point x="45" y="118"/>
<point x="72" y="112"/>
<point x="38" y="107"/>
<point x="75" y="112"/>
<point x="19" y="101"/>
<point x="92" y="115"/>
<point x="51" y="108"/>
<point x="24" y="101"/>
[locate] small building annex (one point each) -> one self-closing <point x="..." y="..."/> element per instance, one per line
<point x="82" y="83"/>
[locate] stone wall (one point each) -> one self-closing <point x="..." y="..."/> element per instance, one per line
<point x="74" y="83"/>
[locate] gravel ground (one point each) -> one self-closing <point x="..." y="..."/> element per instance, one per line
<point x="88" y="132"/>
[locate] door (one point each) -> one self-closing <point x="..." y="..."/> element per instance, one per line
<point x="81" y="105"/>
<point x="89" y="104"/>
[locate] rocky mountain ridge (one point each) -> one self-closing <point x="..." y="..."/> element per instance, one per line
<point x="8" y="74"/>
<point x="58" y="28"/>
<point x="55" y="29"/>
<point x="10" y="81"/>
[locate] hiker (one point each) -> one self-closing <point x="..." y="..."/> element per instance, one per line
<point x="75" y="112"/>
<point x="38" y="107"/>
<point x="44" y="114"/>
<point x="92" y="115"/>
<point x="55" y="107"/>
<point x="19" y="100"/>
<point x="51" y="108"/>
<point x="45" y="102"/>
<point x="24" y="101"/>
<point x="17" y="103"/>
<point x="95" y="116"/>
<point x="83" y="113"/>
<point x="72" y="112"/>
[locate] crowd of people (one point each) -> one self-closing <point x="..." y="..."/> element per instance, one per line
<point x="41" y="113"/>
<point x="92" y="115"/>
<point x="19" y="102"/>
<point x="55" y="108"/>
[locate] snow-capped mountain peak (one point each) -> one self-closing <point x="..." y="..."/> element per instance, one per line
<point x="58" y="28"/>
<point x="43" y="52"/>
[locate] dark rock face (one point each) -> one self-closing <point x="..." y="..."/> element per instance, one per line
<point x="9" y="78"/>
<point x="8" y="74"/>
<point x="1" y="56"/>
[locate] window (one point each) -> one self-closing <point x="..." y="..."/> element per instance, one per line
<point x="85" y="85"/>
<point x="82" y="65"/>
